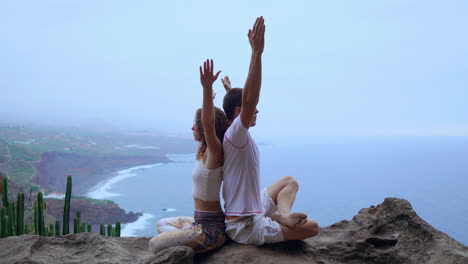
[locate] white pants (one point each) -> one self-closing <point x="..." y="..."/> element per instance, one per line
<point x="256" y="229"/>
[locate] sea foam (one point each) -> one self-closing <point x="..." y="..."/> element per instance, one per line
<point x="130" y="229"/>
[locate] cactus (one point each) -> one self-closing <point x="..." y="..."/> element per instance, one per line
<point x="11" y="219"/>
<point x="117" y="229"/>
<point x="57" y="228"/>
<point x="78" y="223"/>
<point x="20" y="214"/>
<point x="102" y="231"/>
<point x="13" y="212"/>
<point x="66" y="208"/>
<point x="26" y="230"/>
<point x="36" y="225"/>
<point x="110" y="230"/>
<point x="40" y="214"/>
<point x="83" y="228"/>
<point x="3" y="220"/>
<point x="7" y="225"/>
<point x="75" y="225"/>
<point x="5" y="193"/>
<point x="89" y="228"/>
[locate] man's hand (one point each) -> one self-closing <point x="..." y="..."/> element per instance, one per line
<point x="226" y="83"/>
<point x="206" y="75"/>
<point x="257" y="36"/>
<point x="251" y="92"/>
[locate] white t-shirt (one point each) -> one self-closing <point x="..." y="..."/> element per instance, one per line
<point x="241" y="175"/>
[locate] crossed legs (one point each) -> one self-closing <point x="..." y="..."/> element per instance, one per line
<point x="295" y="226"/>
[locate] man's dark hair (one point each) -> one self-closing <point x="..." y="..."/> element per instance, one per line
<point x="232" y="99"/>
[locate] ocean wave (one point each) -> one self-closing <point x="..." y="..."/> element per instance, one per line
<point x="102" y="190"/>
<point x="142" y="147"/>
<point x="181" y="158"/>
<point x="130" y="229"/>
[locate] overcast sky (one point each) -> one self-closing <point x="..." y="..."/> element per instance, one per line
<point x="393" y="67"/>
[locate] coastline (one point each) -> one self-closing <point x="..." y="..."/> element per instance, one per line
<point x="87" y="170"/>
<point x="129" y="229"/>
<point x="102" y="190"/>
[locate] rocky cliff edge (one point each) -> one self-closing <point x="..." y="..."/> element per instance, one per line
<point x="391" y="232"/>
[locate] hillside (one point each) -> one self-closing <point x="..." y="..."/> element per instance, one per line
<point x="41" y="157"/>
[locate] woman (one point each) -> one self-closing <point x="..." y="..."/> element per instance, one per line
<point x="206" y="231"/>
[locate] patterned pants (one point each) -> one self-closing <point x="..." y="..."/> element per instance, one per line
<point x="204" y="232"/>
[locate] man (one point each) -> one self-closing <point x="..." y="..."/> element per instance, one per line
<point x="254" y="216"/>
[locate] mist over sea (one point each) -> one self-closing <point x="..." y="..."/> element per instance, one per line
<point x="337" y="175"/>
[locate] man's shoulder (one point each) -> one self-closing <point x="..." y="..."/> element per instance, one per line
<point x="229" y="132"/>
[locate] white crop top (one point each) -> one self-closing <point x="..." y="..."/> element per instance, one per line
<point x="206" y="182"/>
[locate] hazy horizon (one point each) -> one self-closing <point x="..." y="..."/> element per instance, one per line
<point x="329" y="68"/>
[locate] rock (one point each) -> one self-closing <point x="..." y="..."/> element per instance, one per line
<point x="174" y="255"/>
<point x="76" y="248"/>
<point x="391" y="232"/>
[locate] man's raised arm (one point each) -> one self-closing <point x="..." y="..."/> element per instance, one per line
<point x="251" y="92"/>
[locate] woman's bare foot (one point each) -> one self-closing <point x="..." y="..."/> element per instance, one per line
<point x="291" y="219"/>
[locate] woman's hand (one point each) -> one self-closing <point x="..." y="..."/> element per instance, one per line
<point x="206" y="75"/>
<point x="226" y="83"/>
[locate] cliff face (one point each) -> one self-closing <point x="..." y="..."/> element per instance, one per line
<point x="391" y="232"/>
<point x="91" y="212"/>
<point x="87" y="171"/>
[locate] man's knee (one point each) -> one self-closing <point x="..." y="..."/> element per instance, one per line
<point x="291" y="181"/>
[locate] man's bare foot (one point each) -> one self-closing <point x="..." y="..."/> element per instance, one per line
<point x="302" y="222"/>
<point x="291" y="219"/>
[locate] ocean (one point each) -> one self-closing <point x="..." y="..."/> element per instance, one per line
<point x="338" y="176"/>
